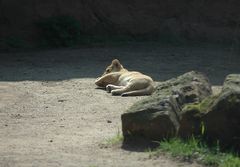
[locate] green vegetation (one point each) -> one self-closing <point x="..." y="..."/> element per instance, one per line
<point x="202" y="107"/>
<point x="118" y="138"/>
<point x="115" y="139"/>
<point x="60" y="31"/>
<point x="195" y="150"/>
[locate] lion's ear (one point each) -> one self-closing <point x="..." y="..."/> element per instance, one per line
<point x="116" y="63"/>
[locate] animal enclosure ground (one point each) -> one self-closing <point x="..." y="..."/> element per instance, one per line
<point x="52" y="115"/>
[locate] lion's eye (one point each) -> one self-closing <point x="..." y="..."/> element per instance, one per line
<point x="108" y="70"/>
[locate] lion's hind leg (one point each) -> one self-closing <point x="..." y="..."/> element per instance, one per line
<point x="122" y="90"/>
<point x="141" y="92"/>
<point x="111" y="87"/>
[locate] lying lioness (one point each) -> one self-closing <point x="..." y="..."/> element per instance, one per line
<point x="119" y="81"/>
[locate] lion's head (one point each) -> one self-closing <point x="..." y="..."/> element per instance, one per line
<point x="115" y="66"/>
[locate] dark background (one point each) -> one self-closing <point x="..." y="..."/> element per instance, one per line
<point x="202" y="20"/>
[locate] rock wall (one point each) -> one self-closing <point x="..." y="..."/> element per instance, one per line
<point x="193" y="19"/>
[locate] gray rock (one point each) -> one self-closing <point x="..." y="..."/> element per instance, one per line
<point x="216" y="118"/>
<point x="232" y="83"/>
<point x="185" y="106"/>
<point x="222" y="120"/>
<point x="159" y="115"/>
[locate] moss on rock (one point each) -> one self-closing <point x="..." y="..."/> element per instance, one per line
<point x="201" y="107"/>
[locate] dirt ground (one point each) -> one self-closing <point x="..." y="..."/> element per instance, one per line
<point x="52" y="115"/>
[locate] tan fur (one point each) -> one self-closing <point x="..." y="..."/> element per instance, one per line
<point x="119" y="81"/>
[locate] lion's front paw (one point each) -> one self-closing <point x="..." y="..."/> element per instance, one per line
<point x="108" y="88"/>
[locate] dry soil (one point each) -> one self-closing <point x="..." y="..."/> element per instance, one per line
<point x="51" y="113"/>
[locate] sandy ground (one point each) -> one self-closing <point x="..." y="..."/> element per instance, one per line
<point x="52" y="115"/>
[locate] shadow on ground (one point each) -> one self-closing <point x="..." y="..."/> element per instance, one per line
<point x="160" y="62"/>
<point x="139" y="144"/>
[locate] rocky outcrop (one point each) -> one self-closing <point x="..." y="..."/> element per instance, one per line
<point x="159" y="115"/>
<point x="216" y="118"/>
<point x="184" y="107"/>
<point x="222" y="120"/>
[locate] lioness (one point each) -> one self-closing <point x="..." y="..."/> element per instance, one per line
<point x="119" y="81"/>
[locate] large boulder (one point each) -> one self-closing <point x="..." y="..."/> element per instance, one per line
<point x="159" y="115"/>
<point x="222" y="120"/>
<point x="185" y="106"/>
<point x="217" y="118"/>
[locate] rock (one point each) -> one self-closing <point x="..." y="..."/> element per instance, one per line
<point x="158" y="116"/>
<point x="217" y="117"/>
<point x="222" y="120"/>
<point x="232" y="83"/>
<point x="191" y="123"/>
<point x="185" y="106"/>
